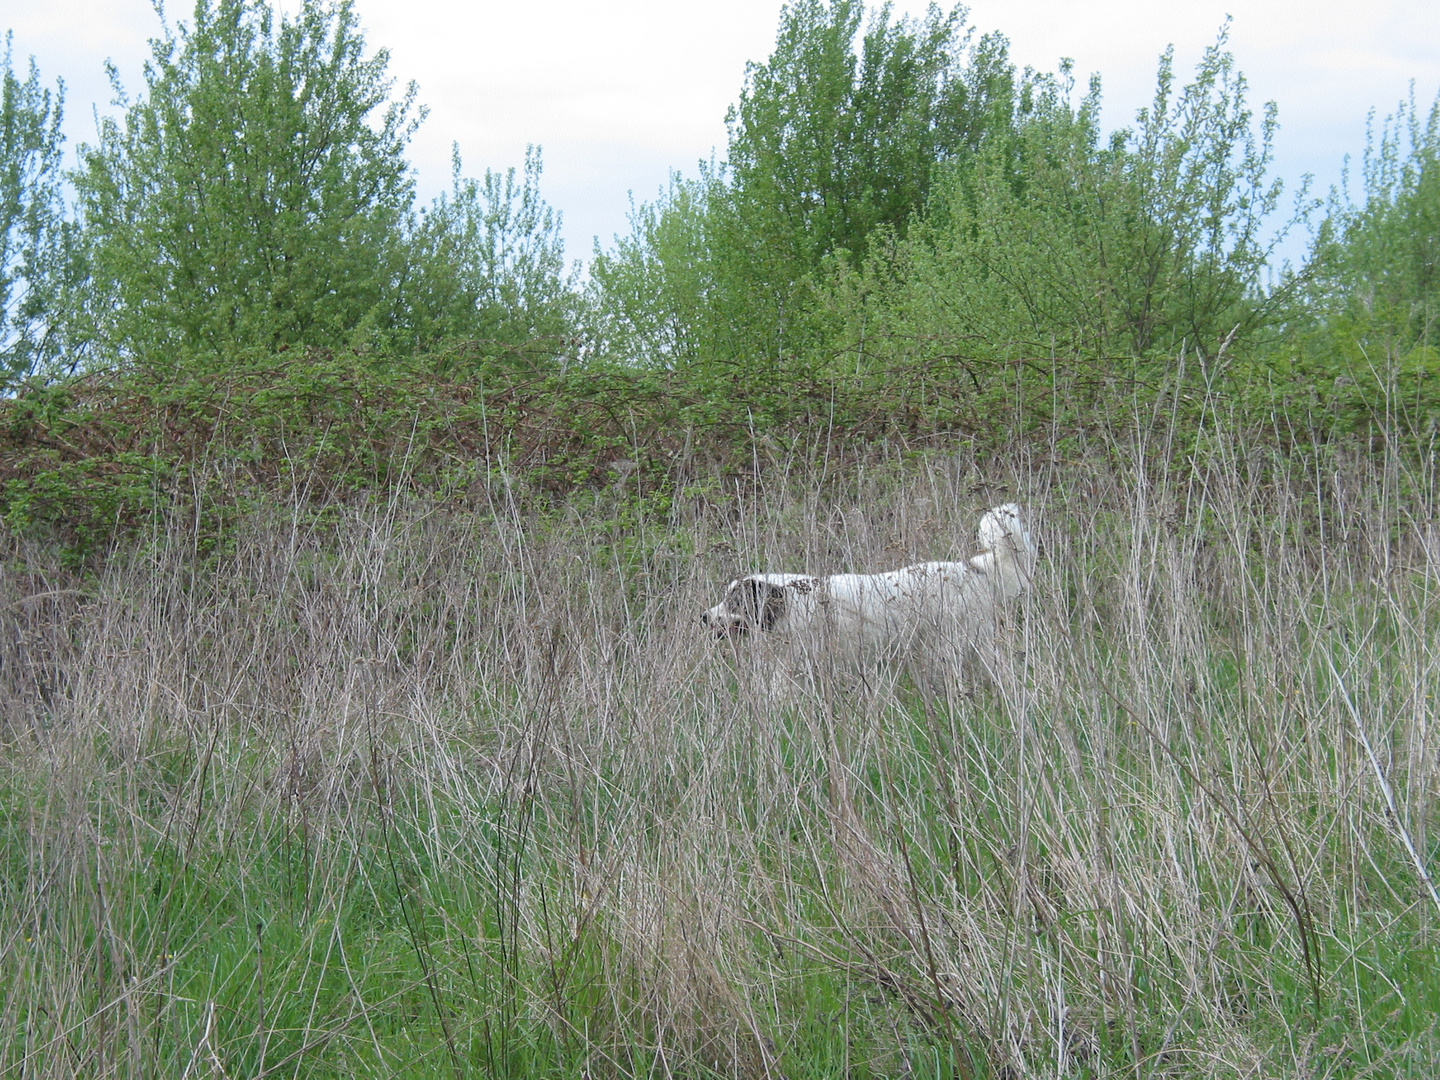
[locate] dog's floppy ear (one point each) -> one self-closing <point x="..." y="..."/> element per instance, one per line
<point x="774" y="606"/>
<point x="761" y="603"/>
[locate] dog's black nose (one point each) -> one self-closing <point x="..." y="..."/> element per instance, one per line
<point x="704" y="618"/>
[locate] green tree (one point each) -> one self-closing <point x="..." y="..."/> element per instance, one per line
<point x="1053" y="239"/>
<point x="648" y="297"/>
<point x="36" y="242"/>
<point x="257" y="195"/>
<point x="491" y="265"/>
<point x="830" y="141"/>
<point x="1187" y="204"/>
<point x="1363" y="343"/>
<point x="1379" y="261"/>
<point x="837" y="135"/>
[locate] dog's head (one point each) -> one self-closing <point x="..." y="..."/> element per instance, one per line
<point x="757" y="602"/>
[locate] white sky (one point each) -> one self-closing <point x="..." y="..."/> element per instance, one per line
<point x="620" y="92"/>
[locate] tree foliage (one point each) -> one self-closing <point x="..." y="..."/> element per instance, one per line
<point x="1053" y="239"/>
<point x="1379" y="260"/>
<point x="648" y="296"/>
<point x="831" y="139"/>
<point x="1193" y="198"/>
<point x="1360" y="346"/>
<point x="36" y="241"/>
<point x="917" y="197"/>
<point x="257" y="194"/>
<point x="905" y="228"/>
<point x="836" y="135"/>
<point x="490" y="265"/>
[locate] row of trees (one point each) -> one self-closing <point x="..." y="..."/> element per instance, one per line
<point x="1002" y="219"/>
<point x="898" y="193"/>
<point x="893" y="191"/>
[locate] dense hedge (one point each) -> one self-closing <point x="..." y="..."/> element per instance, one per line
<point x="96" y="457"/>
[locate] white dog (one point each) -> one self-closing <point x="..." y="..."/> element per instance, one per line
<point x="934" y="612"/>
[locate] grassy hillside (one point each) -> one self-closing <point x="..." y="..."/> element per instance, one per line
<point x="456" y="786"/>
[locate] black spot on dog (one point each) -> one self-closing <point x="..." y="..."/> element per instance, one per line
<point x="759" y="603"/>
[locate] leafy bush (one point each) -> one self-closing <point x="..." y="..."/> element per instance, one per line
<point x="1379" y="261"/>
<point x="1361" y="348"/>
<point x="647" y="302"/>
<point x="909" y="240"/>
<point x="1026" y="242"/>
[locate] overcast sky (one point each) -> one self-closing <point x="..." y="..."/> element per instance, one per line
<point x="618" y="93"/>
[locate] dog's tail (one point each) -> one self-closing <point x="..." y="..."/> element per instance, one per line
<point x="1008" y="552"/>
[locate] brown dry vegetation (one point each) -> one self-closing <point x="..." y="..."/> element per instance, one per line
<point x="411" y="787"/>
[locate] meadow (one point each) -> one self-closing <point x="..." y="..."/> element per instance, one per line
<point x="459" y="787"/>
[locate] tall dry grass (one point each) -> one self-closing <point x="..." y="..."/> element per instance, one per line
<point x="410" y="787"/>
